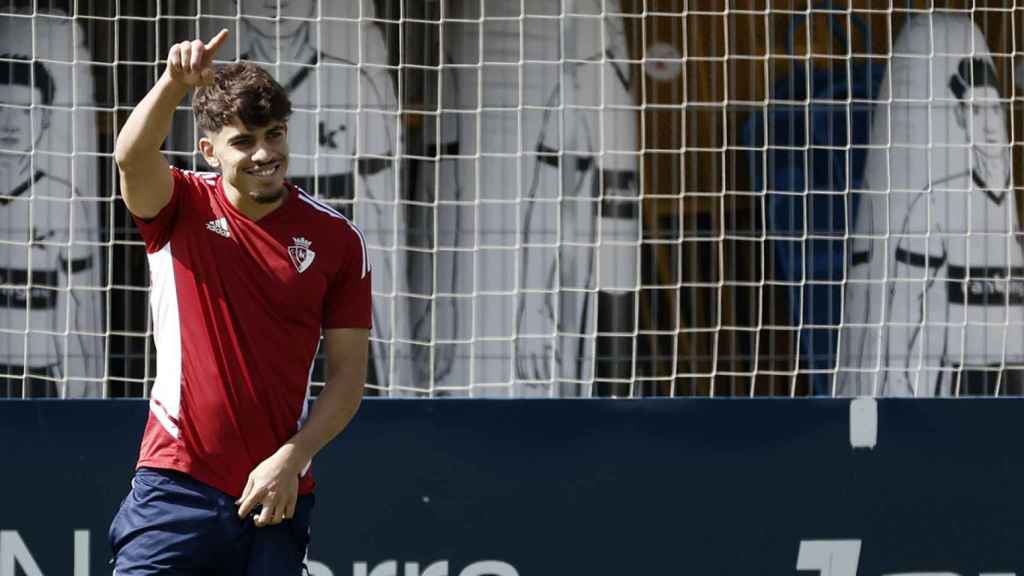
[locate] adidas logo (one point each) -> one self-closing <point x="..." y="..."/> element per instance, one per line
<point x="220" y="226"/>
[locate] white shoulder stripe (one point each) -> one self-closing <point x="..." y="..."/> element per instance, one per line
<point x="321" y="206"/>
<point x="205" y="175"/>
<point x="362" y="244"/>
<point x="334" y="213"/>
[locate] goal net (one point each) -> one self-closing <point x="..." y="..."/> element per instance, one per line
<point x="561" y="198"/>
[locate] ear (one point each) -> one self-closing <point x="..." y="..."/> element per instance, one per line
<point x="44" y="123"/>
<point x="206" y="149"/>
<point x="960" y="114"/>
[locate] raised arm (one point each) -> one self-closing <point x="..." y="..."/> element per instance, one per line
<point x="145" y="176"/>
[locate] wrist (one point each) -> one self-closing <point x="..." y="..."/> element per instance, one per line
<point x="295" y="458"/>
<point x="171" y="82"/>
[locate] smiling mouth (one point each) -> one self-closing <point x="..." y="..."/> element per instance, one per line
<point x="264" y="170"/>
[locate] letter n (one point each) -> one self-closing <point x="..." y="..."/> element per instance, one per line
<point x="14" y="553"/>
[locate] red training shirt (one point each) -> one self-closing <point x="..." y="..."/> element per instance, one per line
<point x="238" y="308"/>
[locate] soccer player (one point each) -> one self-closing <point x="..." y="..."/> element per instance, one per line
<point x="44" y="227"/>
<point x="247" y="271"/>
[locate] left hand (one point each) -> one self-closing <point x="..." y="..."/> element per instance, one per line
<point x="273" y="484"/>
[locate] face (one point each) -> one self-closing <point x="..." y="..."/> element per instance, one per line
<point x="253" y="161"/>
<point x="267" y="21"/>
<point x="20" y="129"/>
<point x="981" y="112"/>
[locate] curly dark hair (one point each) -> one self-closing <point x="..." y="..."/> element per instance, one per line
<point x="245" y="91"/>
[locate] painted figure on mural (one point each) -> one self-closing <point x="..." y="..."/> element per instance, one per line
<point x="935" y="293"/>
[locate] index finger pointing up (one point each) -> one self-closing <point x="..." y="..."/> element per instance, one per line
<point x="215" y="43"/>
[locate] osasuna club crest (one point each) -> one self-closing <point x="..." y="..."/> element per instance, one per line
<point x="300" y="254"/>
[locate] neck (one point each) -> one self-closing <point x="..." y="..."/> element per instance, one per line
<point x="252" y="209"/>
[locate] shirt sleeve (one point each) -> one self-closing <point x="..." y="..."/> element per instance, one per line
<point x="156" y="231"/>
<point x="347" y="303"/>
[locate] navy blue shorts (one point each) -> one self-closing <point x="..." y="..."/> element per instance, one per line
<point x="171" y="524"/>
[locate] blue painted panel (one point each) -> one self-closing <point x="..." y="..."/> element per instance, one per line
<point x="581" y="486"/>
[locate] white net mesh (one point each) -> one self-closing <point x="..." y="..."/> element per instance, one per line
<point x="562" y="198"/>
<point x="52" y="329"/>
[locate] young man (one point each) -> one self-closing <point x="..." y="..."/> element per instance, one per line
<point x="246" y="272"/>
<point x="45" y="256"/>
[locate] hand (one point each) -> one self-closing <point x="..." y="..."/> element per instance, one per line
<point x="274" y="485"/>
<point x="189" y="62"/>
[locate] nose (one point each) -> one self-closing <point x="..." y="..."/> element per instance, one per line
<point x="7" y="117"/>
<point x="992" y="120"/>
<point x="262" y="154"/>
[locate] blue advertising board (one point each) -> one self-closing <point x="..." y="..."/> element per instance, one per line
<point x="594" y="487"/>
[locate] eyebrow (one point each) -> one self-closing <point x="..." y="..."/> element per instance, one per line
<point x="280" y="126"/>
